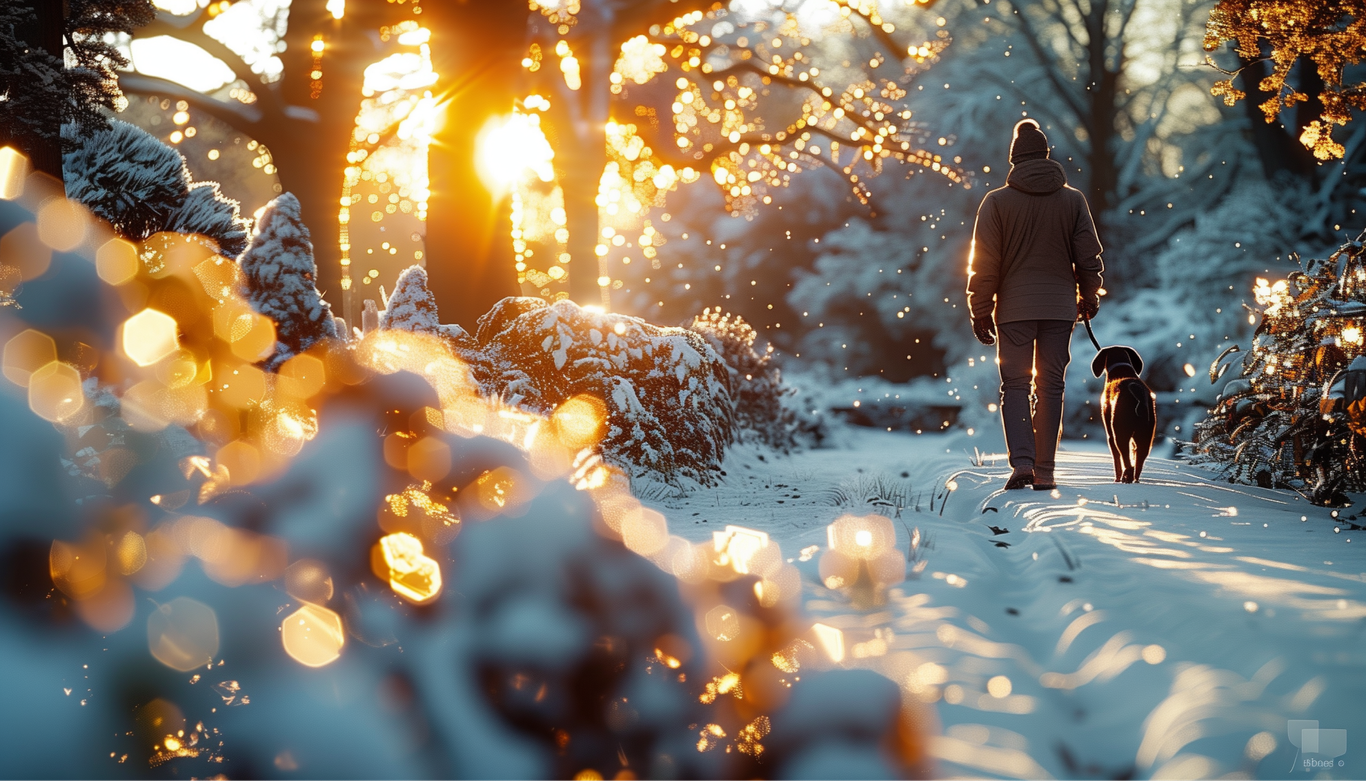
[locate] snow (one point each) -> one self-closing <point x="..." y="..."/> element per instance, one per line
<point x="1153" y="629"/>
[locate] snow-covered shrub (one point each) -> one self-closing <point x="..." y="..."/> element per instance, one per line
<point x="412" y="307"/>
<point x="756" y="385"/>
<point x="141" y="186"/>
<point x="668" y="395"/>
<point x="279" y="277"/>
<point x="1295" y="416"/>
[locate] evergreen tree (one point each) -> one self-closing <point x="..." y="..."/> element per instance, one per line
<point x="1296" y="416"/>
<point x="412" y="307"/>
<point x="280" y="279"/>
<point x="41" y="95"/>
<point x="141" y="186"/>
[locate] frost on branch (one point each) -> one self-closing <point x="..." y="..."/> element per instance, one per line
<point x="668" y="395"/>
<point x="141" y="187"/>
<point x="1295" y="417"/>
<point x="280" y="280"/>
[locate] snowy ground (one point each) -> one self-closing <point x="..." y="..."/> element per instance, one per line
<point x="1168" y="629"/>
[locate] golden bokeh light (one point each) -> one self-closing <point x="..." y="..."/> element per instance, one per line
<point x="831" y="640"/>
<point x="55" y="393"/>
<point x="429" y="459"/>
<point x="183" y="634"/>
<point x="242" y="460"/>
<point x="131" y="553"/>
<point x="509" y="147"/>
<point x="580" y="422"/>
<point x="117" y="261"/>
<point x="398" y="558"/>
<point x="301" y="376"/>
<point x="78" y="569"/>
<point x="62" y="224"/>
<point x="23" y="250"/>
<point x="27" y="352"/>
<point x="13" y="171"/>
<point x="307" y="580"/>
<point x="743" y="550"/>
<point x="644" y="531"/>
<point x="723" y="623"/>
<point x="240" y="386"/>
<point x="252" y="336"/>
<point x="313" y="636"/>
<point x="150" y="336"/>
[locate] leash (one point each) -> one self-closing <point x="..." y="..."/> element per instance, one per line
<point x="1091" y="333"/>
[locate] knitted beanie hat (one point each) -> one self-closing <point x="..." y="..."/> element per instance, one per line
<point x="1029" y="142"/>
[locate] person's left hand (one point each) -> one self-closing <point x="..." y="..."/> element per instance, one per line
<point x="984" y="328"/>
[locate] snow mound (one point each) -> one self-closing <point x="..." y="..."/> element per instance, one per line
<point x="668" y="395"/>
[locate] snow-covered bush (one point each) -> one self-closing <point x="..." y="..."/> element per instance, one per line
<point x="1295" y="415"/>
<point x="279" y="277"/>
<point x="412" y="307"/>
<point x="667" y="394"/>
<point x="141" y="186"/>
<point x="756" y="384"/>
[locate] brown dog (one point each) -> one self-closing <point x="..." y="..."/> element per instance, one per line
<point x="1127" y="408"/>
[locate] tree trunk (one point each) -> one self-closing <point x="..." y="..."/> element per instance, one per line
<point x="477" y="49"/>
<point x="1102" y="98"/>
<point x="1278" y="151"/>
<point x="44" y="147"/>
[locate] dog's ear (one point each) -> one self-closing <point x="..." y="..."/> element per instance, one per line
<point x="1135" y="360"/>
<point x="1098" y="363"/>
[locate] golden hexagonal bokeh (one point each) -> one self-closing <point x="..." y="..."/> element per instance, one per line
<point x="62" y="224"/>
<point x="22" y="249"/>
<point x="55" y="393"/>
<point x="26" y="353"/>
<point x="313" y="635"/>
<point x="241" y="386"/>
<point x="252" y="337"/>
<point x="117" y="261"/>
<point x="149" y="336"/>
<point x="302" y="376"/>
<point x="183" y="634"/>
<point x="412" y="575"/>
<point x="242" y="459"/>
<point x="307" y="580"/>
<point x="429" y="459"/>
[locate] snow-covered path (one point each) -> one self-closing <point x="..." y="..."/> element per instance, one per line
<point x="1168" y="629"/>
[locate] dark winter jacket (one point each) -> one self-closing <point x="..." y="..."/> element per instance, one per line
<point x="1034" y="248"/>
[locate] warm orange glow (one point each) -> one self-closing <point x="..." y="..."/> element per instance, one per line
<point x="117" y="261"/>
<point x="13" y="170"/>
<point x="62" y="224"/>
<point x="26" y="353"/>
<point x="150" y="336"/>
<point x="183" y="634"/>
<point x="509" y="147"/>
<point x="313" y="636"/>
<point x="831" y="641"/>
<point x="411" y="575"/>
<point x="54" y="392"/>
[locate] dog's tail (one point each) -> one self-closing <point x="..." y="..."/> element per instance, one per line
<point x="1143" y="400"/>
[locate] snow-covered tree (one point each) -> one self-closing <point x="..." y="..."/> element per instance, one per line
<point x="141" y="186"/>
<point x="41" y="94"/>
<point x="412" y="307"/>
<point x="280" y="279"/>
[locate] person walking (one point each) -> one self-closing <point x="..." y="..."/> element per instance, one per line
<point x="1034" y="268"/>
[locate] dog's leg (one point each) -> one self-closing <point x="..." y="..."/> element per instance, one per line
<point x="1105" y="416"/>
<point x="1127" y="456"/>
<point x="1143" y="444"/>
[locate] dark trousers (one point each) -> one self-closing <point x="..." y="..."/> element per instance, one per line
<point x="1033" y="353"/>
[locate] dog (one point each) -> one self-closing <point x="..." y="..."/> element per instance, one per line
<point x="1128" y="408"/>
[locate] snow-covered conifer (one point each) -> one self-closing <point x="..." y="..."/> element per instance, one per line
<point x="141" y="186"/>
<point x="206" y="211"/>
<point x="279" y="275"/>
<point x="412" y="307"/>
